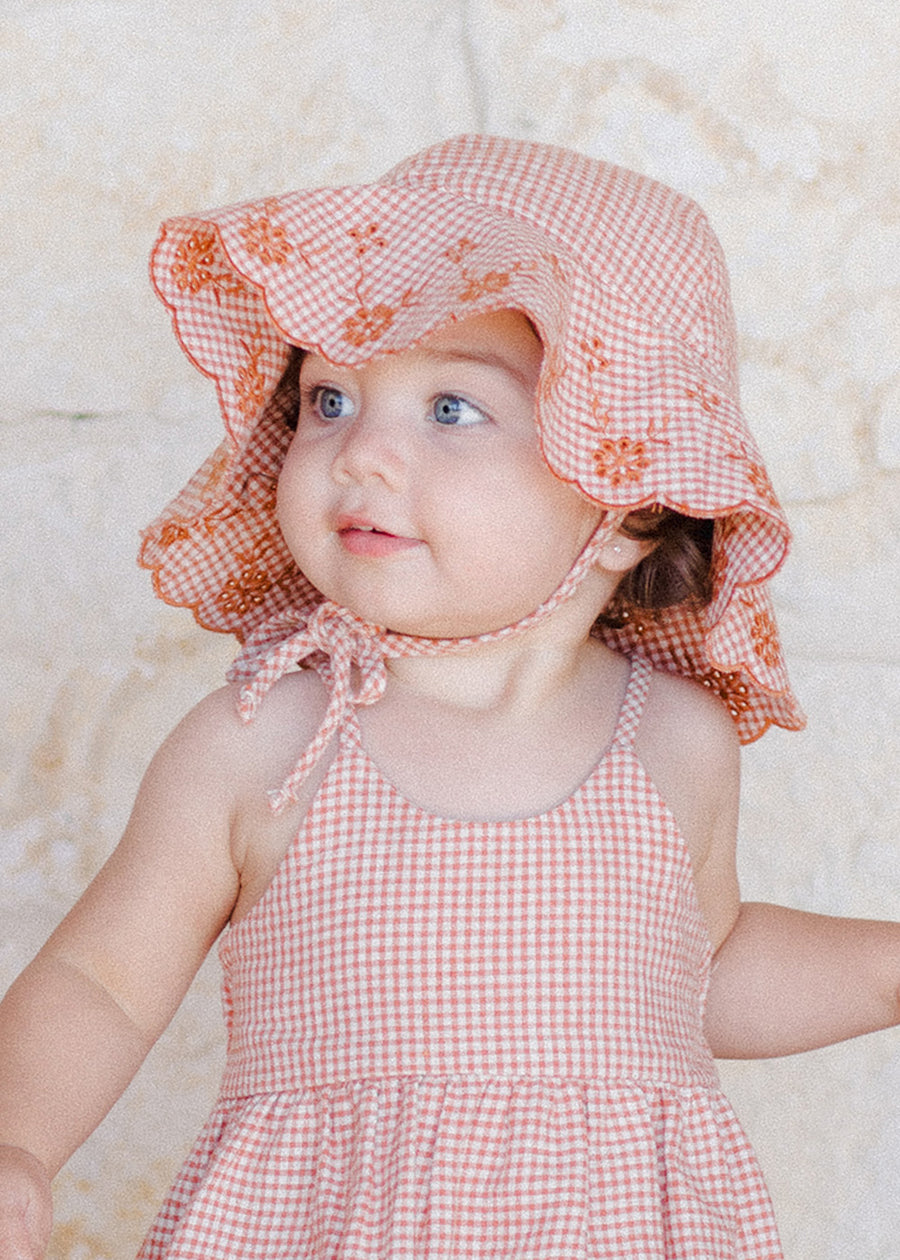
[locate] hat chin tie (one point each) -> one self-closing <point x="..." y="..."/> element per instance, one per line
<point x="349" y="654"/>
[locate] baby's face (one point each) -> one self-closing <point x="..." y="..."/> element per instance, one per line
<point x="414" y="491"/>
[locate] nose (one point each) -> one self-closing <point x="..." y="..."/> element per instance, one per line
<point x="372" y="447"/>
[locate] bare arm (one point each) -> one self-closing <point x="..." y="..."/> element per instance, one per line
<point x="786" y="981"/>
<point x="78" y="1022"/>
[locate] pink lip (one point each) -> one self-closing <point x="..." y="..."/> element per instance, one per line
<point x="362" y="538"/>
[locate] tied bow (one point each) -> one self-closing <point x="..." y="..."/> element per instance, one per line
<point x="339" y="646"/>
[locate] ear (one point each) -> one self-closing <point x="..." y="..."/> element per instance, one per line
<point x="620" y="552"/>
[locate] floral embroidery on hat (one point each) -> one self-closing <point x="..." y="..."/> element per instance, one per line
<point x="340" y="281"/>
<point x="553" y="369"/>
<point x="757" y="476"/>
<point x="621" y="461"/>
<point x="370" y="323"/>
<point x="624" y="460"/>
<point x="197" y="266"/>
<point x="725" y="529"/>
<point x="456" y="253"/>
<point x="731" y="688"/>
<point x="217" y="471"/>
<point x="249" y="587"/>
<point x="174" y="532"/>
<point x="478" y="286"/>
<point x="251" y="386"/>
<point x="367" y="238"/>
<point x="254" y="493"/>
<point x="707" y="400"/>
<point x="595" y="355"/>
<point x="559" y="272"/>
<point x="761" y="483"/>
<point x="366" y="325"/>
<point x="220" y="515"/>
<point x="264" y="239"/>
<point x="764" y="634"/>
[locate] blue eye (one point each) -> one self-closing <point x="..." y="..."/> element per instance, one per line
<point x="450" y="409"/>
<point x="331" y="403"/>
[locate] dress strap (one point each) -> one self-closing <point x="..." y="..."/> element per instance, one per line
<point x="633" y="703"/>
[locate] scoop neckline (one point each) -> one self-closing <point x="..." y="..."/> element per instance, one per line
<point x="621" y="737"/>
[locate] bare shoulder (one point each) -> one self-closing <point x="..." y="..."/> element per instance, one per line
<point x="217" y="747"/>
<point x="207" y="784"/>
<point x="252" y="759"/>
<point x="689" y="746"/>
<point x="677" y="707"/>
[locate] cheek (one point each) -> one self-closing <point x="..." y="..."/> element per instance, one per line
<point x="562" y="518"/>
<point x="295" y="500"/>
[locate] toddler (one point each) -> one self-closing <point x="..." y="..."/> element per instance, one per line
<point x="495" y="540"/>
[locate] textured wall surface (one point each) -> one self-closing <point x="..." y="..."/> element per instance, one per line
<point x="781" y="119"/>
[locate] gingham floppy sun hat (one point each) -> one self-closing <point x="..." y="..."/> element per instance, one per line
<point x="637" y="402"/>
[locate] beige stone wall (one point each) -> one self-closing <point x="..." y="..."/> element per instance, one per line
<point x="780" y="118"/>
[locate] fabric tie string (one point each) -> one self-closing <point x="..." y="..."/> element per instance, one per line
<point x="335" y="643"/>
<point x="350" y="656"/>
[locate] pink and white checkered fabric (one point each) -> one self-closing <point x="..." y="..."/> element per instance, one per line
<point x="637" y="401"/>
<point x="453" y="1040"/>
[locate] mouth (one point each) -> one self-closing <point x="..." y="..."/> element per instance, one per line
<point x="362" y="538"/>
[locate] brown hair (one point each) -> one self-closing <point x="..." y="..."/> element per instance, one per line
<point x="288" y="388"/>
<point x="676" y="571"/>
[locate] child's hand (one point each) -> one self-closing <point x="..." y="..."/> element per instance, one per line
<point x="26" y="1207"/>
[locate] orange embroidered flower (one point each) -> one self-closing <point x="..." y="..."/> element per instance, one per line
<point x="765" y="639"/>
<point x="458" y="252"/>
<point x="366" y="238"/>
<point x="730" y="688"/>
<point x="173" y="532"/>
<point x="246" y="590"/>
<point x="195" y="266"/>
<point x="595" y="356"/>
<point x="621" y="460"/>
<point x="477" y="287"/>
<point x="195" y="259"/>
<point x="266" y="241"/>
<point x="368" y="324"/>
<point x="251" y="386"/>
<point x="709" y="402"/>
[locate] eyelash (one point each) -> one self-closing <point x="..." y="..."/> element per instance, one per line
<point x="311" y="399"/>
<point x="455" y="398"/>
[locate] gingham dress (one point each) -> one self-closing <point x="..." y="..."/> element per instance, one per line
<point x="465" y="1039"/>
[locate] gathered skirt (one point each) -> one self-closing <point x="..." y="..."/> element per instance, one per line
<point x="464" y="1169"/>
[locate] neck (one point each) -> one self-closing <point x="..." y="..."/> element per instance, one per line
<point x="499" y="729"/>
<point x="512" y="674"/>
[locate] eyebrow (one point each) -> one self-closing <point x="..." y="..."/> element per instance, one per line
<point x="486" y="358"/>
